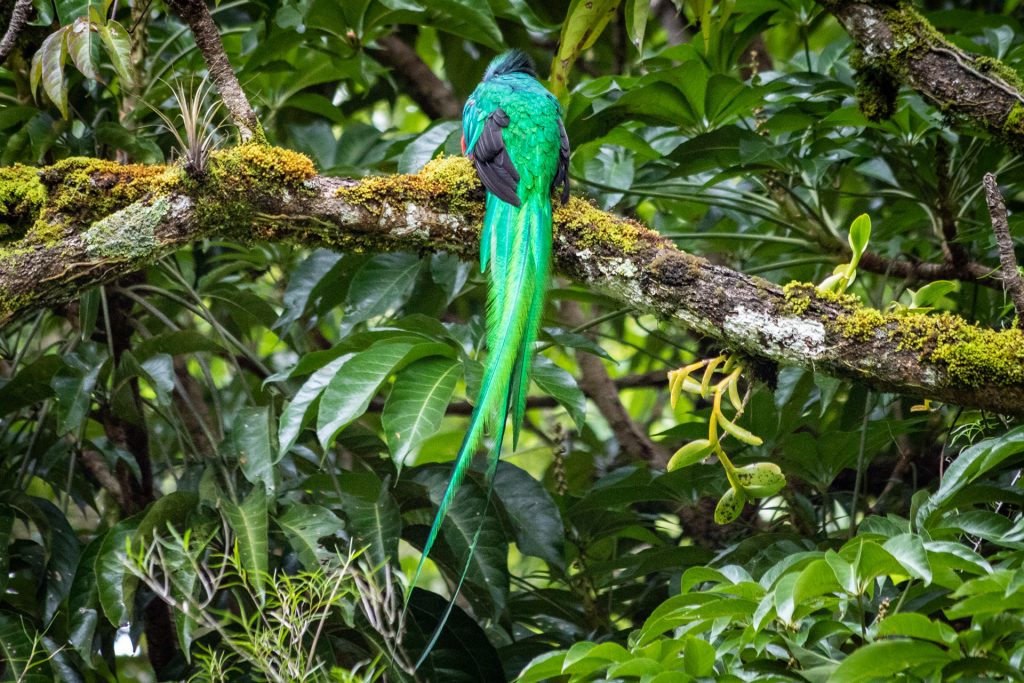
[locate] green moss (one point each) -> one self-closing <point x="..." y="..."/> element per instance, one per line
<point x="593" y="228"/>
<point x="236" y="178"/>
<point x="448" y="183"/>
<point x="1000" y="69"/>
<point x="973" y="356"/>
<point x="1014" y="123"/>
<point x="80" y="191"/>
<point x="256" y="167"/>
<point x="21" y="198"/>
<point x="876" y="93"/>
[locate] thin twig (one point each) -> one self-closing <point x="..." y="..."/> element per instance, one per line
<point x="19" y="17"/>
<point x="1001" y="227"/>
<point x="196" y="14"/>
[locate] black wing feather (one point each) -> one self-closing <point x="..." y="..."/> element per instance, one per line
<point x="493" y="164"/>
<point x="562" y="172"/>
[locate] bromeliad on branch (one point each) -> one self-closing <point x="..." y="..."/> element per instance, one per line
<point x="513" y="132"/>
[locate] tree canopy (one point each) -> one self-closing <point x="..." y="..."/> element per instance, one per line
<point x="772" y="431"/>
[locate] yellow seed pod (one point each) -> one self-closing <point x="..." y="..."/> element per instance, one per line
<point x="690" y="454"/>
<point x="729" y="506"/>
<point x="761" y="479"/>
<point x="744" y="435"/>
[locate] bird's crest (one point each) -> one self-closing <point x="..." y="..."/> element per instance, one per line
<point x="511" y="62"/>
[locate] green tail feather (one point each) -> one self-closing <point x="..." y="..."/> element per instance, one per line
<point x="517" y="245"/>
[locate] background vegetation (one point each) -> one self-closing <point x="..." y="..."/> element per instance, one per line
<point x="219" y="468"/>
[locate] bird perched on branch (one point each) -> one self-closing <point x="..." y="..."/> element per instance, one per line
<point x="512" y="131"/>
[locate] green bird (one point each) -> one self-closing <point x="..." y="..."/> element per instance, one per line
<point x="512" y="131"/>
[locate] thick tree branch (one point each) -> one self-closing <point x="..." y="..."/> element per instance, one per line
<point x="434" y="96"/>
<point x="1007" y="257"/>
<point x="19" y="17"/>
<point x="897" y="43"/>
<point x="75" y="233"/>
<point x="197" y="15"/>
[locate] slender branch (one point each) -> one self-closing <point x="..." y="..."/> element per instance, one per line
<point x="197" y="15"/>
<point x="19" y="17"/>
<point x="971" y="271"/>
<point x="434" y="96"/>
<point x="1007" y="258"/>
<point x="259" y="192"/>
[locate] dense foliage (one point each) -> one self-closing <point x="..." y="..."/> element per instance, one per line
<point x="219" y="468"/>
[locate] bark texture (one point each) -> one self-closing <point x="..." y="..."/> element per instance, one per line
<point x="263" y="193"/>
<point x="898" y="45"/>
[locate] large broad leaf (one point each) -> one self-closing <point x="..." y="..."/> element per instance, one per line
<point x="636" y="21"/>
<point x="248" y="521"/>
<point x="305" y="525"/>
<point x="253" y="439"/>
<point x="83" y="602"/>
<point x="48" y="68"/>
<point x="302" y="281"/>
<point x="463" y="652"/>
<point x="81" y="47"/>
<point x="882" y="660"/>
<point x="583" y="24"/>
<point x="296" y="413"/>
<point x="562" y="386"/>
<point x="350" y="391"/>
<point x="381" y="285"/>
<point x="417" y="403"/>
<point x="73" y="385"/>
<point x="373" y="516"/>
<point x="115" y="584"/>
<point x="425" y="146"/>
<point x="31" y="384"/>
<point x="63" y="551"/>
<point x="470" y="523"/>
<point x="536" y="521"/>
<point x="972" y="463"/>
<point x="119" y="48"/>
<point x="471" y="20"/>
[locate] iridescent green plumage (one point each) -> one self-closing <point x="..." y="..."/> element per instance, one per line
<point x="512" y="130"/>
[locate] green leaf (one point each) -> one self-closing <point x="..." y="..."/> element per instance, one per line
<point x="537" y="525"/>
<point x="119" y="48"/>
<point x="860" y="234"/>
<point x="22" y="653"/>
<point x="698" y="657"/>
<point x="914" y="625"/>
<point x="305" y="525"/>
<point x="761" y="479"/>
<point x="301" y="282"/>
<point x="48" y="67"/>
<point x="80" y="47"/>
<point x="252" y="437"/>
<point x="83" y="602"/>
<point x="583" y="24"/>
<point x="471" y="20"/>
<point x="971" y="464"/>
<point x="908" y="550"/>
<point x="417" y="403"/>
<point x="350" y="391"/>
<point x="114" y="583"/>
<point x="372" y="513"/>
<point x="296" y="414"/>
<point x="421" y="150"/>
<point x="882" y="660"/>
<point x="560" y="385"/>
<point x="636" y="21"/>
<point x="172" y="509"/>
<point x="487" y="581"/>
<point x="248" y="521"/>
<point x="72" y="388"/>
<point x="381" y="285"/>
<point x="930" y="294"/>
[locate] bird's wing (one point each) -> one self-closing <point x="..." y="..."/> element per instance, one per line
<point x="493" y="164"/>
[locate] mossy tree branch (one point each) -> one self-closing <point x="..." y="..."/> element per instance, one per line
<point x="897" y="44"/>
<point x="82" y="222"/>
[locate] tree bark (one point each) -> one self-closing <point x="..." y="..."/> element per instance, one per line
<point x="898" y="44"/>
<point x="258" y="192"/>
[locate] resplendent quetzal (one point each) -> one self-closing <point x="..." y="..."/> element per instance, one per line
<point x="512" y="130"/>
